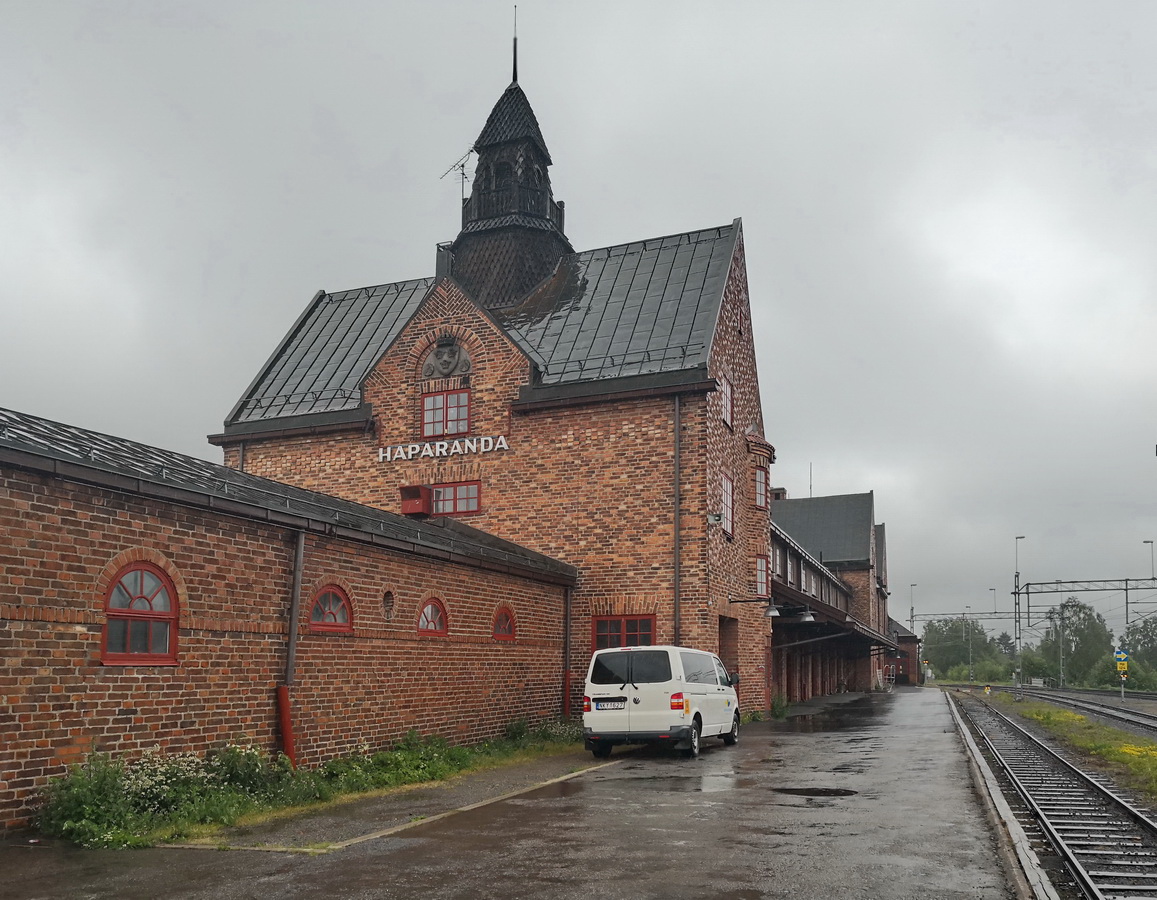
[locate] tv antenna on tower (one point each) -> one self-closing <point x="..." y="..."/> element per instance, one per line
<point x="460" y="165"/>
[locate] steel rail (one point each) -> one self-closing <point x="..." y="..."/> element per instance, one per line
<point x="1108" y="845"/>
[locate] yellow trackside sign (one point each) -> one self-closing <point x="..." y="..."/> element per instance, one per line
<point x="1122" y="667"/>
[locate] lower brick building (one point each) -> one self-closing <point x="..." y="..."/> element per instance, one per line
<point x="148" y="599"/>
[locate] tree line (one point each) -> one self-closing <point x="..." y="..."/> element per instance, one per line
<point x="1076" y="648"/>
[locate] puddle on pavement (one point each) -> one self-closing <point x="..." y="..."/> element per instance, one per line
<point x="816" y="792"/>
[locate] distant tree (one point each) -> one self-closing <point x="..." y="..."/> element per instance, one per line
<point x="947" y="643"/>
<point x="1034" y="665"/>
<point x="1077" y="638"/>
<point x="1141" y="641"/>
<point x="1005" y="644"/>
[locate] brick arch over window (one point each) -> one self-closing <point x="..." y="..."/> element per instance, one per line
<point x="142" y="611"/>
<point x="331" y="610"/>
<point x="432" y="618"/>
<point x="504" y="626"/>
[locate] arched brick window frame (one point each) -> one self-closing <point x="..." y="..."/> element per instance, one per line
<point x="504" y="626"/>
<point x="141" y="616"/>
<point x="432" y="618"/>
<point x="331" y="611"/>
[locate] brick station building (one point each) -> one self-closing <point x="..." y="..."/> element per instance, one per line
<point x="601" y="407"/>
<point x="439" y="496"/>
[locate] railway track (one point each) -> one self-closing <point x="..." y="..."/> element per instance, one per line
<point x="1108" y="845"/>
<point x="1117" y="713"/>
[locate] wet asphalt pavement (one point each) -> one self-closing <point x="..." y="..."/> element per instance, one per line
<point x="856" y="796"/>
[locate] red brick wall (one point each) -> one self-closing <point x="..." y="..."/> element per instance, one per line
<point x="63" y="545"/>
<point x="592" y="485"/>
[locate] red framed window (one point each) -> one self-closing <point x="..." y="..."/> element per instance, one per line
<point x="503" y="629"/>
<point x="622" y="631"/>
<point x="762" y="579"/>
<point x="445" y="413"/>
<point x="140" y="618"/>
<point x="728" y="505"/>
<point x="761" y="487"/>
<point x="726" y="399"/>
<point x="432" y="619"/>
<point x="457" y="499"/>
<point x="331" y="611"/>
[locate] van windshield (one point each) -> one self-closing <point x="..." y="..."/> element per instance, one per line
<point x="632" y="667"/>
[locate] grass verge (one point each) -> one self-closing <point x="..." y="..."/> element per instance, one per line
<point x="1131" y="758"/>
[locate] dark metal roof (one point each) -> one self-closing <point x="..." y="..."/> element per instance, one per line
<point x="897" y="631"/>
<point x="36" y="444"/>
<point x="835" y="529"/>
<point x="319" y="365"/>
<point x="512" y="119"/>
<point x="629" y="310"/>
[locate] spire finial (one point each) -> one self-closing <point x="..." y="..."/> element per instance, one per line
<point x="516" y="43"/>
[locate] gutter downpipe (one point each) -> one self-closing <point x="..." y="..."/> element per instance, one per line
<point x="284" y="713"/>
<point x="566" y="675"/>
<point x="677" y="499"/>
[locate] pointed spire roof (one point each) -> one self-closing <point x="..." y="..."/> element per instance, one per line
<point x="512" y="119"/>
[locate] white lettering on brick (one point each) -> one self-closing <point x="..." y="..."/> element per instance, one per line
<point x="485" y="444"/>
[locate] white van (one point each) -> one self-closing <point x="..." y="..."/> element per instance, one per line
<point x="665" y="695"/>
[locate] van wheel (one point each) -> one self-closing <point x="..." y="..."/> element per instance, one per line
<point x="601" y="751"/>
<point x="693" y="751"/>
<point x="732" y="737"/>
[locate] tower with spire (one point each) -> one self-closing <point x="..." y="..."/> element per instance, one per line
<point x="512" y="228"/>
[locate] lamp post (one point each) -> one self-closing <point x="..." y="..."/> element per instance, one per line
<point x="993" y="599"/>
<point x="1150" y="543"/>
<point x="1016" y="611"/>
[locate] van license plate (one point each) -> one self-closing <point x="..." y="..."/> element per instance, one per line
<point x="610" y="704"/>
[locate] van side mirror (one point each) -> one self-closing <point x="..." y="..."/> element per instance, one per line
<point x="734" y="679"/>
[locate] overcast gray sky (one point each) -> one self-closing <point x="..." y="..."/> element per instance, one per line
<point x="950" y="211"/>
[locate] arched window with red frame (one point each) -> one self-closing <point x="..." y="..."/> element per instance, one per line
<point x="503" y="628"/>
<point x="331" y="611"/>
<point x="432" y="619"/>
<point x="141" y="615"/>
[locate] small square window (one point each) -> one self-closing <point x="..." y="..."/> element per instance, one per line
<point x="457" y="499"/>
<point x="622" y="631"/>
<point x="445" y="413"/>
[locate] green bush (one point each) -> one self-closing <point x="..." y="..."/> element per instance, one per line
<point x="779" y="706"/>
<point x="111" y="803"/>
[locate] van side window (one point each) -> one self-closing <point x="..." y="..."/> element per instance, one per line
<point x="721" y="671"/>
<point x="698" y="668"/>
